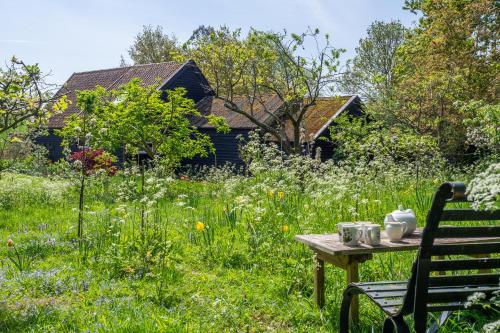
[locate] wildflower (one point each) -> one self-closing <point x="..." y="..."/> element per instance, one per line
<point x="200" y="226"/>
<point x="10" y="243"/>
<point x="270" y="194"/>
<point x="281" y="195"/>
<point x="285" y="228"/>
<point x="129" y="270"/>
<point x="15" y="139"/>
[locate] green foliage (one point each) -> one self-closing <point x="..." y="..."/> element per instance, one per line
<point x="151" y="45"/>
<point x="482" y="125"/>
<point x="370" y="73"/>
<point x="361" y="139"/>
<point x="448" y="60"/>
<point x="24" y="95"/>
<point x="244" y="71"/>
<point x="136" y="117"/>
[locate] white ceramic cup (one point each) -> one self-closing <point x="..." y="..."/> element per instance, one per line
<point x="395" y="230"/>
<point x="340" y="226"/>
<point x="363" y="225"/>
<point x="351" y="234"/>
<point x="371" y="234"/>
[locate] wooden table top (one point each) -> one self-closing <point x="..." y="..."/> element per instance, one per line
<point x="331" y="244"/>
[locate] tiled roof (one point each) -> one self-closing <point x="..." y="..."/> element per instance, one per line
<point x="110" y="79"/>
<point x="316" y="117"/>
<point x="215" y="106"/>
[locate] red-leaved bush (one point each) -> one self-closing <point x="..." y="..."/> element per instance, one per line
<point x="93" y="160"/>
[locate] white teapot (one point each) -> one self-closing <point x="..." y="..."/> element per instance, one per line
<point x="402" y="215"/>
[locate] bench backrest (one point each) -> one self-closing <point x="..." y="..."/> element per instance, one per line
<point x="448" y="291"/>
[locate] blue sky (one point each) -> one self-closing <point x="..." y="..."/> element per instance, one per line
<point x="72" y="36"/>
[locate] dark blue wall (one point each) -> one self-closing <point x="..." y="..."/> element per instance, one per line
<point x="52" y="143"/>
<point x="190" y="78"/>
<point x="226" y="148"/>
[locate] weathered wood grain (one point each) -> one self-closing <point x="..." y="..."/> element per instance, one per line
<point x="331" y="245"/>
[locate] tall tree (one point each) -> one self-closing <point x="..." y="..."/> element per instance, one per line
<point x="245" y="72"/>
<point x="152" y="45"/>
<point x="449" y="59"/>
<point x="24" y="96"/>
<point x="370" y="73"/>
<point x="201" y="32"/>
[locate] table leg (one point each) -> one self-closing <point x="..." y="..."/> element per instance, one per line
<point x="319" y="281"/>
<point x="353" y="276"/>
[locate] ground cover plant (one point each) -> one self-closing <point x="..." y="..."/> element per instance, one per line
<point x="216" y="251"/>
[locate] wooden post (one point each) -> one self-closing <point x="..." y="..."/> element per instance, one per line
<point x="353" y="276"/>
<point x="319" y="281"/>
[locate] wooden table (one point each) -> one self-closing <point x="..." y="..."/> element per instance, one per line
<point x="329" y="248"/>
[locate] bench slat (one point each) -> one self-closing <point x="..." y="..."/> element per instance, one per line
<point x="473" y="248"/>
<point x="467" y="232"/>
<point x="469" y="215"/>
<point x="464" y="264"/>
<point x="458" y="295"/>
<point x="465" y="280"/>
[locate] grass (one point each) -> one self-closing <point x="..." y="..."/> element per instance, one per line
<point x="242" y="272"/>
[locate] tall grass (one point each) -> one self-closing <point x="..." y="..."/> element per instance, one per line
<point x="217" y="254"/>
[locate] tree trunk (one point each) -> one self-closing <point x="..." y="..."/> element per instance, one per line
<point x="143" y="206"/>
<point x="80" y="205"/>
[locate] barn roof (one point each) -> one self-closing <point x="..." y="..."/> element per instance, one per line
<point x="316" y="119"/>
<point x="111" y="78"/>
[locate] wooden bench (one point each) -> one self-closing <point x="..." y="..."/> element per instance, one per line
<point x="425" y="291"/>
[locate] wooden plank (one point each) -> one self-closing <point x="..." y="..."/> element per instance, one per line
<point x="464" y="264"/>
<point x="329" y="244"/>
<point x="470" y="280"/>
<point x="467" y="232"/>
<point x="460" y="248"/>
<point x="319" y="281"/>
<point x="469" y="215"/>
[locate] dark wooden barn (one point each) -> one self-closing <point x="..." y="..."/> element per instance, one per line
<point x="172" y="75"/>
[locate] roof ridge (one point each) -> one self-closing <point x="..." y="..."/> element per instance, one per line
<point x="128" y="67"/>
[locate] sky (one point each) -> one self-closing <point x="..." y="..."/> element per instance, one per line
<point x="73" y="36"/>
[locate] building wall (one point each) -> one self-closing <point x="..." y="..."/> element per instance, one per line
<point x="52" y="143"/>
<point x="226" y="149"/>
<point x="190" y="78"/>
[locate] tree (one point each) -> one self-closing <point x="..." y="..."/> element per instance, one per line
<point x="266" y="64"/>
<point x="25" y="96"/>
<point x="448" y="60"/>
<point x="151" y="45"/>
<point x="370" y="73"/>
<point x="137" y="118"/>
<point x="201" y="32"/>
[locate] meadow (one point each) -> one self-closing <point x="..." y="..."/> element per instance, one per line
<point x="213" y="253"/>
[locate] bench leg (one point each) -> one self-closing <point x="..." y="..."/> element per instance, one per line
<point x="319" y="281"/>
<point x="397" y="324"/>
<point x="344" y="310"/>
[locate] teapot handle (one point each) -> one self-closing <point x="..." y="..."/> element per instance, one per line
<point x="389" y="218"/>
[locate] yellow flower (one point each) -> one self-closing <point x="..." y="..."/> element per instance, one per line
<point x="10" y="243"/>
<point x="129" y="270"/>
<point x="285" y="228"/>
<point x="200" y="226"/>
<point x="270" y="194"/>
<point x="15" y="139"/>
<point x="281" y="195"/>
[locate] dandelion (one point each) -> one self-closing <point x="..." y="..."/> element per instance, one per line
<point x="285" y="228"/>
<point x="200" y="226"/>
<point x="281" y="195"/>
<point x="10" y="243"/>
<point x="270" y="194"/>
